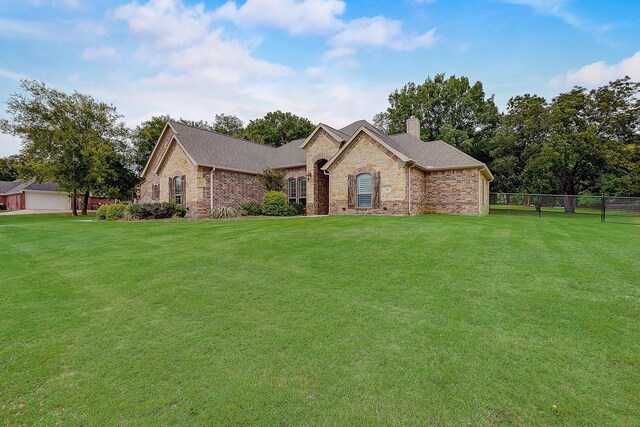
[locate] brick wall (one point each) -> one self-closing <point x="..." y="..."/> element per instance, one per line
<point x="452" y="192"/>
<point x="232" y="188"/>
<point x="15" y="202"/>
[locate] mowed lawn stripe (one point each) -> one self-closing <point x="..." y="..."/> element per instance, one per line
<point x="334" y="320"/>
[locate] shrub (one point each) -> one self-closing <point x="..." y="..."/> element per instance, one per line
<point x="274" y="203"/>
<point x="224" y="212"/>
<point x="299" y="208"/>
<point x="157" y="210"/>
<point x="251" y="208"/>
<point x="111" y="212"/>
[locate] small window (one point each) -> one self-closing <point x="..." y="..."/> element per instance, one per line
<point x="364" y="190"/>
<point x="292" y="190"/>
<point x="177" y="190"/>
<point x="302" y="190"/>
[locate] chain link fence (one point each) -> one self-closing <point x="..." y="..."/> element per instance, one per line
<point x="604" y="208"/>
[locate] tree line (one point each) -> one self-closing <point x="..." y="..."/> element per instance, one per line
<point x="580" y="142"/>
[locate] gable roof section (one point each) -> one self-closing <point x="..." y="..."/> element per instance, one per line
<point x="382" y="138"/>
<point x="338" y="135"/>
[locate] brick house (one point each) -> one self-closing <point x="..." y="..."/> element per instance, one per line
<point x="354" y="170"/>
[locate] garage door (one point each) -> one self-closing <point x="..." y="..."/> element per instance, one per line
<point x="48" y="201"/>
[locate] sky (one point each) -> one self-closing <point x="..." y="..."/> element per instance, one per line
<point x="332" y="61"/>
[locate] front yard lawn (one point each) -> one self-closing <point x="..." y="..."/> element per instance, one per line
<point x="437" y="320"/>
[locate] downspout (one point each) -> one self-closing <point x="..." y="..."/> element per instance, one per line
<point x="211" y="188"/>
<point x="329" y="190"/>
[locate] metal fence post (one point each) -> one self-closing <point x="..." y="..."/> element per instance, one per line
<point x="603" y="211"/>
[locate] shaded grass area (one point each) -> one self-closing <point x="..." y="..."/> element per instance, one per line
<point x="336" y="320"/>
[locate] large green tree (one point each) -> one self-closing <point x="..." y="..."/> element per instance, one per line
<point x="523" y="129"/>
<point x="450" y="109"/>
<point x="582" y="142"/>
<point x="277" y="128"/>
<point x="9" y="167"/>
<point x="67" y="138"/>
<point x="228" y="124"/>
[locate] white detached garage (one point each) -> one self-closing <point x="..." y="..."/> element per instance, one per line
<point x="46" y="200"/>
<point x="17" y="195"/>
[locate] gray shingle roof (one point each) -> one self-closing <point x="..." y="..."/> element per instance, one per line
<point x="289" y="155"/>
<point x="7" y="186"/>
<point x="13" y="187"/>
<point x="42" y="186"/>
<point x="213" y="149"/>
<point x="433" y="154"/>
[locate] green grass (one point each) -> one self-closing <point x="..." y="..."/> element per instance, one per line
<point x="436" y="320"/>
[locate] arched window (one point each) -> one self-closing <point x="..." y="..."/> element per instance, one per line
<point x="177" y="190"/>
<point x="364" y="190"/>
<point x="302" y="190"/>
<point x="292" y="190"/>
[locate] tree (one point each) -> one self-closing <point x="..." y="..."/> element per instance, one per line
<point x="273" y="179"/>
<point x="523" y="129"/>
<point x="9" y="167"/>
<point x="68" y="139"/>
<point x="277" y="128"/>
<point x="448" y="109"/>
<point x="144" y="138"/>
<point x="228" y="125"/>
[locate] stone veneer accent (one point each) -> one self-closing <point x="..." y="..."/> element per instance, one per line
<point x="174" y="163"/>
<point x="321" y="147"/>
<point x="366" y="155"/>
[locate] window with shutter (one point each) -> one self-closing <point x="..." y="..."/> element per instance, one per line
<point x="364" y="190"/>
<point x="351" y="191"/>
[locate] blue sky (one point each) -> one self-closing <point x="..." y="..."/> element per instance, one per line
<point x="332" y="61"/>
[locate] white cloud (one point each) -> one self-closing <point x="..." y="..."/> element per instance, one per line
<point x="182" y="38"/>
<point x="340" y="52"/>
<point x="294" y="16"/>
<point x="11" y="75"/>
<point x="377" y="32"/>
<point x="166" y="23"/>
<point x="92" y="53"/>
<point x="600" y="72"/>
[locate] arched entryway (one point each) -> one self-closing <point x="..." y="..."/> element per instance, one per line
<point x="320" y="188"/>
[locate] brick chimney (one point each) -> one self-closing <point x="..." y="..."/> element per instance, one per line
<point x="413" y="126"/>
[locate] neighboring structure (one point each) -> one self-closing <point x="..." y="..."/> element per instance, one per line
<point x="18" y="195"/>
<point x="354" y="170"/>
